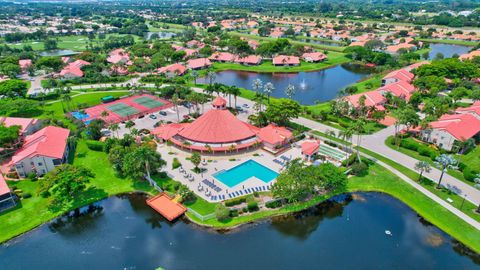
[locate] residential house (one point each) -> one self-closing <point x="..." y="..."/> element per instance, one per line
<point x="41" y="151"/>
<point x="394" y="49"/>
<point x="7" y="197"/>
<point x="27" y="125"/>
<point x="73" y="69"/>
<point x="285" y="60"/>
<point x="470" y="55"/>
<point x="176" y="69"/>
<point x="119" y="57"/>
<point x="398" y="75"/>
<point x="223" y="57"/>
<point x="199" y="63"/>
<point x="314" y="57"/>
<point x="251" y="60"/>
<point x="25" y="64"/>
<point x="372" y="99"/>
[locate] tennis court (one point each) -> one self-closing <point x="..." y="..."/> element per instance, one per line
<point x="122" y="109"/>
<point x="148" y="102"/>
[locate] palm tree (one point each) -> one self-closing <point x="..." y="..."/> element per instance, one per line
<point x="422" y="166"/>
<point x="235" y="91"/>
<point x="445" y="162"/>
<point x="129" y="124"/>
<point x="257" y="85"/>
<point x="290" y="91"/>
<point x="359" y="128"/>
<point x="114" y="128"/>
<point x="211" y="77"/>
<point x="149" y="157"/>
<point x="175" y="102"/>
<point x="194" y="75"/>
<point x="67" y="98"/>
<point x="268" y="89"/>
<point x="104" y="114"/>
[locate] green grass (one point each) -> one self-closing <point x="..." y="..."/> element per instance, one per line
<point x="334" y="59"/>
<point x="468" y="207"/>
<point x="455" y="173"/>
<point x="292" y="41"/>
<point x="34" y="211"/>
<point x="449" y="41"/>
<point x="471" y="159"/>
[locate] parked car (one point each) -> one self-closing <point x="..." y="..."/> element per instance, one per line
<point x="163" y="113"/>
<point x="246" y="105"/>
<point x="152" y="116"/>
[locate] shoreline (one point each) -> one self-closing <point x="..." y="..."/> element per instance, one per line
<point x="295" y="208"/>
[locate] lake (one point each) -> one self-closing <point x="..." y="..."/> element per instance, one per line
<point x="448" y="50"/>
<point x="322" y="85"/>
<point x="347" y="232"/>
<point x="161" y="35"/>
<point x="58" y="53"/>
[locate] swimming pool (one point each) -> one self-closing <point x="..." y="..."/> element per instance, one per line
<point x="245" y="171"/>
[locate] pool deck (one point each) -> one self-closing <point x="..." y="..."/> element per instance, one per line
<point x="218" y="163"/>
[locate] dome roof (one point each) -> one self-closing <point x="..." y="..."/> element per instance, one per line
<point x="219" y="102"/>
<point x="217" y="126"/>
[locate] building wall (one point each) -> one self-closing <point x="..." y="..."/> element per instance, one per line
<point x="439" y="137"/>
<point x="39" y="164"/>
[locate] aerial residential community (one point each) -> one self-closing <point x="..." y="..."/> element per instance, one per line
<point x="266" y="134"/>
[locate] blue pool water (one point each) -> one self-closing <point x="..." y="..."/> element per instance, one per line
<point x="80" y="115"/>
<point x="244" y="171"/>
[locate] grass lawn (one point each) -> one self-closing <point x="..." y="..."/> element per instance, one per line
<point x="370" y="83"/>
<point x="34" y="211"/>
<point x="449" y="41"/>
<point x="471" y="159"/>
<point x="474" y="162"/>
<point x="334" y="58"/>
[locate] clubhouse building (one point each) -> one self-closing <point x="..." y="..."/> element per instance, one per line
<point x="220" y="131"/>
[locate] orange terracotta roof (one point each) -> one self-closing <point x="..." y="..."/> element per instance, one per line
<point x="219" y="102"/>
<point x="273" y="134"/>
<point x="166" y="207"/>
<point x="3" y="186"/>
<point x="310" y="147"/>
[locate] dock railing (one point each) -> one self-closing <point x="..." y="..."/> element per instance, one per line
<point x="200" y="216"/>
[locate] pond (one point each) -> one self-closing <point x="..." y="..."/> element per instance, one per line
<point x="322" y="42"/>
<point x="345" y="233"/>
<point x="160" y="35"/>
<point x="310" y="87"/>
<point x="448" y="50"/>
<point x="58" y="53"/>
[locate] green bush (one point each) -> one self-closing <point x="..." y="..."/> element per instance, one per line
<point x="469" y="174"/>
<point x="273" y="204"/>
<point x="235" y="201"/>
<point x="411" y="145"/>
<point x="95" y="145"/>
<point x="359" y="169"/>
<point x="176" y="164"/>
<point x="234" y="213"/>
<point x="222" y="213"/>
<point x="26" y="195"/>
<point x="252" y="206"/>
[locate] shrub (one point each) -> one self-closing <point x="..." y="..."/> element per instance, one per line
<point x="273" y="204"/>
<point x="234" y="213"/>
<point x="408" y="144"/>
<point x="32" y="177"/>
<point x="252" y="206"/>
<point x="176" y="164"/>
<point x="45" y="194"/>
<point x="469" y="174"/>
<point x="222" y="213"/>
<point x="425" y="151"/>
<point x="461" y="166"/>
<point x="26" y="195"/>
<point x="95" y="145"/>
<point x="359" y="169"/>
<point x="235" y="201"/>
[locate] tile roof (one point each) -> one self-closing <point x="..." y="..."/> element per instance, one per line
<point x="286" y="60"/>
<point x="273" y="134"/>
<point x="24" y="123"/>
<point x="460" y="126"/>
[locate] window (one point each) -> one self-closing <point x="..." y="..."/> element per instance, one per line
<point x="40" y="164"/>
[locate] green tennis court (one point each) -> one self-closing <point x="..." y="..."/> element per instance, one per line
<point x="148" y="102"/>
<point x="122" y="109"/>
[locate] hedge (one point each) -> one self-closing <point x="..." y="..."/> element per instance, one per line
<point x="95" y="145"/>
<point x="176" y="163"/>
<point x="235" y="201"/>
<point x="273" y="204"/>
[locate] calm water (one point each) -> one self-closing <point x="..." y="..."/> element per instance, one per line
<point x="322" y="85"/>
<point x="58" y="53"/>
<point x="448" y="50"/>
<point x="161" y="35"/>
<point x="124" y="233"/>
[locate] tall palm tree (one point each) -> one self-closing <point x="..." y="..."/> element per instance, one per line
<point x="211" y="77"/>
<point x="129" y="124"/>
<point x="67" y="98"/>
<point x="422" y="166"/>
<point x="445" y="162"/>
<point x="235" y="91"/>
<point x="257" y="85"/>
<point x="175" y="102"/>
<point x="359" y="128"/>
<point x="268" y="89"/>
<point x="194" y="75"/>
<point x="114" y="128"/>
<point x="290" y="91"/>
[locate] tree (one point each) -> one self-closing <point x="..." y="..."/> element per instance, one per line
<point x="50" y="44"/>
<point x="211" y="77"/>
<point x="222" y="213"/>
<point x="257" y="85"/>
<point x="13" y="88"/>
<point x="129" y="124"/>
<point x="94" y="129"/>
<point x="9" y="135"/>
<point x="114" y="128"/>
<point x="141" y="160"/>
<point x="359" y="127"/>
<point x="196" y="159"/>
<point x="268" y="89"/>
<point x="194" y="75"/>
<point x="290" y="91"/>
<point x="235" y="91"/>
<point x="408" y="117"/>
<point x="281" y="111"/>
<point x="175" y="102"/>
<point x="66" y="182"/>
<point x="422" y="166"/>
<point x="477" y="186"/>
<point x="445" y="162"/>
